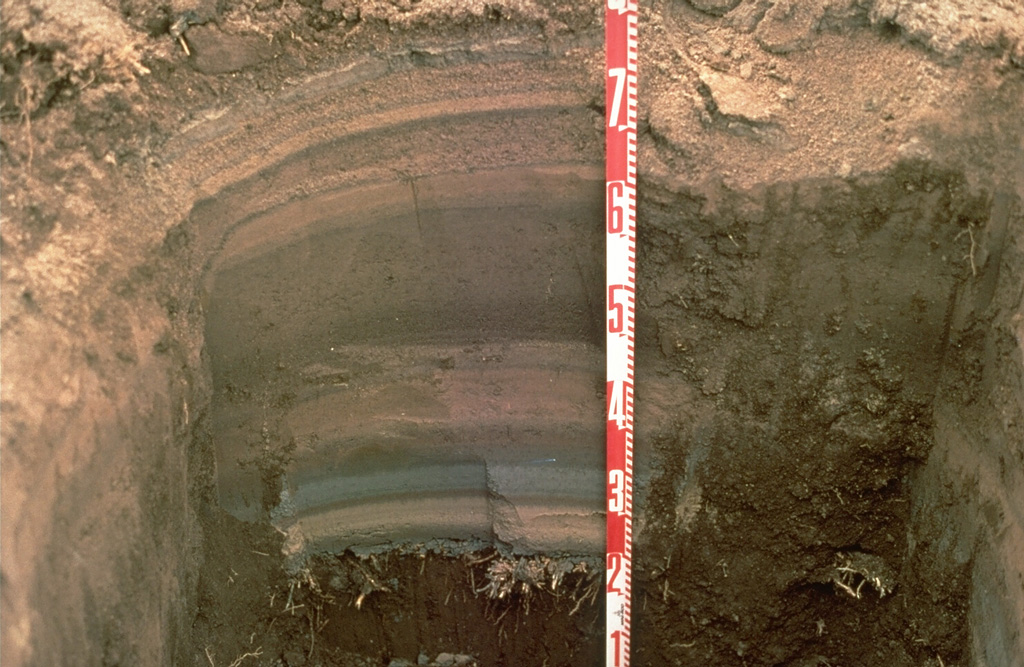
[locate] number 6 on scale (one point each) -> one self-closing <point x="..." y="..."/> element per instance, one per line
<point x="616" y="200"/>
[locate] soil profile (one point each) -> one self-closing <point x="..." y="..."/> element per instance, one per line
<point x="302" y="333"/>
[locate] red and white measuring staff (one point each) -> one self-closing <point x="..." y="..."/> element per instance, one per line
<point x="620" y="228"/>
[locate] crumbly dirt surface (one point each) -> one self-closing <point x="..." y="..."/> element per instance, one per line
<point x="444" y="605"/>
<point x="829" y="386"/>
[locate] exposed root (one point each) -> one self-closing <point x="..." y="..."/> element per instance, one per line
<point x="974" y="268"/>
<point x="237" y="661"/>
<point x="27" y="100"/>
<point x="589" y="594"/>
<point x="525" y="577"/>
<point x="854" y="570"/>
<point x="355" y="577"/>
<point x="974" y="246"/>
<point x="253" y="654"/>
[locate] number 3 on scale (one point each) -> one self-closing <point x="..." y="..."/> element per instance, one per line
<point x="617" y="495"/>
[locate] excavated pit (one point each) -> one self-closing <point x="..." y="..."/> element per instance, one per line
<point x="408" y="365"/>
<point x="326" y="386"/>
<point x="426" y="352"/>
<point x="408" y="388"/>
<point x="407" y="370"/>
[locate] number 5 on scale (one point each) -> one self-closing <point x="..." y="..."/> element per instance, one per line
<point x="615" y="323"/>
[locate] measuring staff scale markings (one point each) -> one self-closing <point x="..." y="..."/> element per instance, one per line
<point x="620" y="229"/>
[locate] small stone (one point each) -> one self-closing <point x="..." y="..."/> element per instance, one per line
<point x="200" y="7"/>
<point x="714" y="7"/>
<point x="294" y="658"/>
<point x="914" y="149"/>
<point x="747" y="15"/>
<point x="719" y="47"/>
<point x="746" y="70"/>
<point x="788" y="26"/>
<point x="444" y="660"/>
<point x="216" y="52"/>
<point x="423" y="659"/>
<point x="714" y="383"/>
<point x="845" y="170"/>
<point x="787" y="94"/>
<point x="1016" y="56"/>
<point x="735" y="97"/>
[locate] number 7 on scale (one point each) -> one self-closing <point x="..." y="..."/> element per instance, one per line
<point x="619" y="74"/>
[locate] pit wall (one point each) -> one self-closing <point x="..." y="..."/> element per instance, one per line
<point x="805" y="325"/>
<point x="103" y="474"/>
<point x="969" y="498"/>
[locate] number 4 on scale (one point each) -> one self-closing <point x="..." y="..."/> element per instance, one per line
<point x="617" y="404"/>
